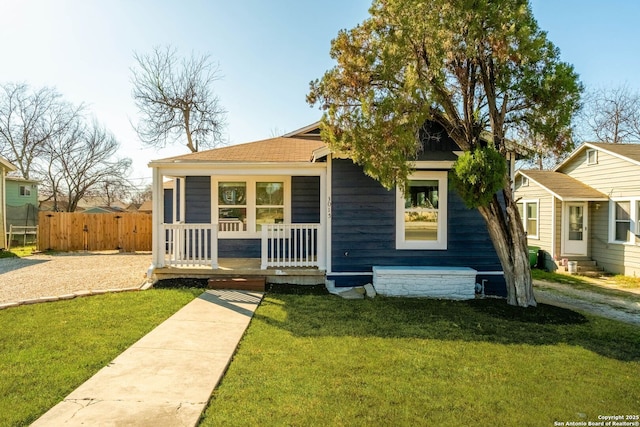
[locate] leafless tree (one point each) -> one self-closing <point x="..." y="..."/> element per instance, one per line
<point x="29" y="119"/>
<point x="612" y="115"/>
<point x="82" y="162"/>
<point x="140" y="196"/>
<point x="175" y="99"/>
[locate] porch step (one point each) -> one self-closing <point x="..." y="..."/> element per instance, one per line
<point x="238" y="283"/>
<point x="587" y="267"/>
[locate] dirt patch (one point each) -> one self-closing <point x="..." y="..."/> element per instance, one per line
<point x="39" y="276"/>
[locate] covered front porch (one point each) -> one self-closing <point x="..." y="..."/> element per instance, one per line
<point x="264" y="222"/>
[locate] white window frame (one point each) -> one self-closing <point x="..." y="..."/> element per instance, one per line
<point x="251" y="206"/>
<point x="634" y="220"/>
<point x="441" y="242"/>
<point x="592" y="156"/>
<point x="524" y="181"/>
<point x="524" y="218"/>
<point x="24" y="191"/>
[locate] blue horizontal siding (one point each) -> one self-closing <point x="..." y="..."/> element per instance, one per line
<point x="168" y="206"/>
<point x="197" y="195"/>
<point x="305" y="199"/>
<point x="239" y="248"/>
<point x="364" y="227"/>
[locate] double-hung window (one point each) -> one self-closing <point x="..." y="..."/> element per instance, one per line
<point x="624" y="220"/>
<point x="269" y="203"/>
<point x="244" y="204"/>
<point x="529" y="214"/>
<point x="232" y="206"/>
<point x="25" y="191"/>
<point x="421" y="213"/>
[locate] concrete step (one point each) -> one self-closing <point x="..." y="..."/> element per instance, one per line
<point x="238" y="283"/>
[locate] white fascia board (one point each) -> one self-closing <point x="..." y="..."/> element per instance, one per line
<point x="211" y="169"/>
<point x="320" y="153"/>
<point x="584" y="199"/>
<point x="433" y="164"/>
<point x="571" y="156"/>
<point x="302" y="130"/>
<point x="7" y="165"/>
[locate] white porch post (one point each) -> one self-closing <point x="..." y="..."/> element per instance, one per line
<point x="157" y="219"/>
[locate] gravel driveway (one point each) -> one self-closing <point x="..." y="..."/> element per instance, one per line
<point x="39" y="276"/>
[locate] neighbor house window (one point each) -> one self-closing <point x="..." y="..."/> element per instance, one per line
<point x="637" y="230"/>
<point x="244" y="205"/>
<point x="529" y="214"/>
<point x="592" y="157"/>
<point x="624" y="217"/>
<point x="421" y="213"/>
<point x="524" y="181"/>
<point x="25" y="191"/>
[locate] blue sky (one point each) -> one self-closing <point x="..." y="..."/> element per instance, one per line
<point x="268" y="52"/>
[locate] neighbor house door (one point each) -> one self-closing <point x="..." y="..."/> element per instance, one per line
<point x="574" y="229"/>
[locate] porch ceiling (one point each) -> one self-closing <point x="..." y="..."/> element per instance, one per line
<point x="563" y="186"/>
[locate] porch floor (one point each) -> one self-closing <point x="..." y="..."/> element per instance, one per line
<point x="245" y="267"/>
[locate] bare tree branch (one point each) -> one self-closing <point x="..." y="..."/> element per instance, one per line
<point x="176" y="100"/>
<point x="29" y="119"/>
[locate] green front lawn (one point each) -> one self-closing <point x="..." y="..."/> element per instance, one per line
<point x="47" y="350"/>
<point x="319" y="360"/>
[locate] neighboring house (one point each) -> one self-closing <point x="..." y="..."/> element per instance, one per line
<point x="103" y="209"/>
<point x="587" y="208"/>
<point x="89" y="202"/>
<point x="22" y="201"/>
<point x="293" y="204"/>
<point x="5" y="168"/>
<point x="145" y="207"/>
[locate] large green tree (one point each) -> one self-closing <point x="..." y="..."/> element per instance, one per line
<point x="480" y="68"/>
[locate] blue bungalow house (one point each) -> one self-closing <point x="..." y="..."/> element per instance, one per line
<point x="290" y="210"/>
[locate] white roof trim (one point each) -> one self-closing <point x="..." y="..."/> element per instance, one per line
<point x="618" y="155"/>
<point x="586" y="145"/>
<point x="302" y="130"/>
<point x="7" y="165"/>
<point x="319" y="153"/>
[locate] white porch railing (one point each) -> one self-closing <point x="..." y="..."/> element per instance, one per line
<point x="191" y="245"/>
<point x="291" y="245"/>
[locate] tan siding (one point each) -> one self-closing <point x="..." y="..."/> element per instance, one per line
<point x="616" y="178"/>
<point x="632" y="260"/>
<point x="607" y="256"/>
<point x="612" y="176"/>
<point x="535" y="192"/>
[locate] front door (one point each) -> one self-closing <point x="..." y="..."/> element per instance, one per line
<point x="574" y="228"/>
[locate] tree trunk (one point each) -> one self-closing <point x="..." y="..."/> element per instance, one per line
<point x="510" y="242"/>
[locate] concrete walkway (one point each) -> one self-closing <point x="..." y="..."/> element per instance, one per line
<point x="166" y="378"/>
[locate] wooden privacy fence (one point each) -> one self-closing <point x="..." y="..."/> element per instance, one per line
<point x="71" y="231"/>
